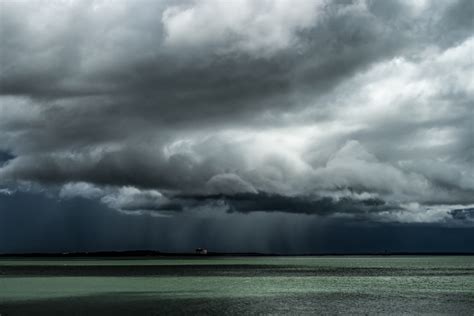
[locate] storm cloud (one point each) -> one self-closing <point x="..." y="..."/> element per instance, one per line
<point x="357" y="109"/>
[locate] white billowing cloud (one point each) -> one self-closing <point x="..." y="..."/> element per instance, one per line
<point x="418" y="213"/>
<point x="417" y="6"/>
<point x="411" y="90"/>
<point x="354" y="167"/>
<point x="5" y="191"/>
<point x="129" y="198"/>
<point x="228" y="184"/>
<point x="444" y="172"/>
<point x="256" y="27"/>
<point x="80" y="189"/>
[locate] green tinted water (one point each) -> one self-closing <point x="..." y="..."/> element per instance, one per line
<point x="209" y="287"/>
<point x="340" y="261"/>
<point x="360" y="284"/>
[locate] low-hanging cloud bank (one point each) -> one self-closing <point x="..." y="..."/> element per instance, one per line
<point x="332" y="108"/>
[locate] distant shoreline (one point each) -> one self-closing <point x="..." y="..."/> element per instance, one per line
<point x="158" y="254"/>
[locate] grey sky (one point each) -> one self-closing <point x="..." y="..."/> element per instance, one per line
<point x="355" y="109"/>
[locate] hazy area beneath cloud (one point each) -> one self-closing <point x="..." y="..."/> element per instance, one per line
<point x="361" y="110"/>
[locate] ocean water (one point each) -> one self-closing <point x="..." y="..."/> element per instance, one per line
<point x="239" y="286"/>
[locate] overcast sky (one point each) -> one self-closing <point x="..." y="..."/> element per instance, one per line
<point x="285" y="126"/>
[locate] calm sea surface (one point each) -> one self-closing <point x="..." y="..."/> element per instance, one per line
<point x="239" y="286"/>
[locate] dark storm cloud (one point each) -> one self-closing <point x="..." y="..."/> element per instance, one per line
<point x="264" y="202"/>
<point x="128" y="62"/>
<point x="463" y="215"/>
<point x="349" y="101"/>
<point x="4" y="157"/>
